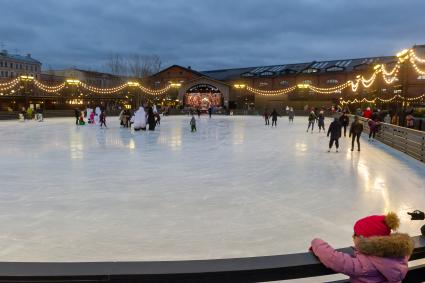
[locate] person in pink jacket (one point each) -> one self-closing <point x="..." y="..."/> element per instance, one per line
<point x="379" y="255"/>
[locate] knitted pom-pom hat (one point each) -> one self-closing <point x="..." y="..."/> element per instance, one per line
<point x="376" y="225"/>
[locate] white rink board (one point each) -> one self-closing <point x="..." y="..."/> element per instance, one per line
<point x="235" y="188"/>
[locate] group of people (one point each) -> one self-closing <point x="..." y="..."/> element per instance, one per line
<point x="142" y="120"/>
<point x="94" y="117"/>
<point x="335" y="131"/>
<point x="274" y="114"/>
<point x="29" y="113"/>
<point x="388" y="118"/>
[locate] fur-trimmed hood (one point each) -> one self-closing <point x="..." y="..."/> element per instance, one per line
<point x="394" y="245"/>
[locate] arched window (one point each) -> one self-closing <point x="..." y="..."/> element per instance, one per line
<point x="421" y="77"/>
<point x="307" y="82"/>
<point x="332" y="82"/>
<point x="284" y="83"/>
<point x="263" y="84"/>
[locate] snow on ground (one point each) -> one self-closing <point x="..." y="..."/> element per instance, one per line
<point x="235" y="188"/>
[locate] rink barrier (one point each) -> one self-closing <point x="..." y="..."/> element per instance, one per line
<point x="250" y="269"/>
<point x="409" y="141"/>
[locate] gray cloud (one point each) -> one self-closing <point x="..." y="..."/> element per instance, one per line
<point x="209" y="34"/>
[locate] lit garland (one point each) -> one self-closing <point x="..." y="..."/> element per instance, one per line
<point x="6" y="84"/>
<point x="155" y="92"/>
<point x="103" y="90"/>
<point x="415" y="57"/>
<point x="417" y="69"/>
<point x="47" y="88"/>
<point x="271" y="92"/>
<point x="355" y="86"/>
<point x="9" y="85"/>
<point x="368" y="82"/>
<point x="330" y="90"/>
<point x="394" y="70"/>
<point x="342" y="102"/>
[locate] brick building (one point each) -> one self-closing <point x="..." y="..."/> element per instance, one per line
<point x="322" y="74"/>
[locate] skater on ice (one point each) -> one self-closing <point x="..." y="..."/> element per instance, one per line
<point x="335" y="132"/>
<point x="344" y="120"/>
<point x="102" y="119"/>
<point x="321" y="121"/>
<point x="192" y="124"/>
<point x="266" y="117"/>
<point x="274" y="117"/>
<point x="311" y="120"/>
<point x="356" y="130"/>
<point x="373" y="129"/>
<point x="77" y="116"/>
<point x="151" y="119"/>
<point x="379" y="255"/>
<point x="291" y="115"/>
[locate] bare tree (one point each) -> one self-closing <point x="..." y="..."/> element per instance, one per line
<point x="134" y="65"/>
<point x="117" y="65"/>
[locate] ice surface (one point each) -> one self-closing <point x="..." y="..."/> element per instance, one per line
<point x="235" y="188"/>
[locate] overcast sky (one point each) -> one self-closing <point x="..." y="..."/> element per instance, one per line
<point x="209" y="34"/>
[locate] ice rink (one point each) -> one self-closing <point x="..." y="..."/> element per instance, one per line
<point x="235" y="188"/>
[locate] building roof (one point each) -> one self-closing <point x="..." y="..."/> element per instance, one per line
<point x="308" y="67"/>
<point x="181" y="67"/>
<point x="17" y="57"/>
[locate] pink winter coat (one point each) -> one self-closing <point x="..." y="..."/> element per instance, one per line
<point x="377" y="259"/>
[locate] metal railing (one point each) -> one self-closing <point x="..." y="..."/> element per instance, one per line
<point x="251" y="269"/>
<point x="409" y="141"/>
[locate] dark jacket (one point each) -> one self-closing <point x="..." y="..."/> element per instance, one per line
<point x="335" y="130"/>
<point x="356" y="128"/>
<point x="312" y="117"/>
<point x="344" y="120"/>
<point x="274" y="115"/>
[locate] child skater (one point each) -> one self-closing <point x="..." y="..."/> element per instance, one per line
<point x="193" y="124"/>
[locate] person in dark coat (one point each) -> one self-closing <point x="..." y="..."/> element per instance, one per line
<point x="344" y="120"/>
<point x="321" y="121"/>
<point x="335" y="132"/>
<point x="102" y="119"/>
<point x="266" y="117"/>
<point x="311" y="119"/>
<point x="356" y="130"/>
<point x="210" y="111"/>
<point x="77" y="115"/>
<point x="274" y="117"/>
<point x="151" y="119"/>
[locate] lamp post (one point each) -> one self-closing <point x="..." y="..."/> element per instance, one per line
<point x="26" y="79"/>
<point x="403" y="56"/>
<point x="239" y="88"/>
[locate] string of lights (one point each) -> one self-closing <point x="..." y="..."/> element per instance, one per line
<point x="342" y="102"/>
<point x="10" y="85"/>
<point x="9" y="82"/>
<point x="155" y="92"/>
<point x="368" y="82"/>
<point x="47" y="88"/>
<point x="417" y="69"/>
<point x="330" y="90"/>
<point x="103" y="90"/>
<point x="413" y="55"/>
<point x="271" y="92"/>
